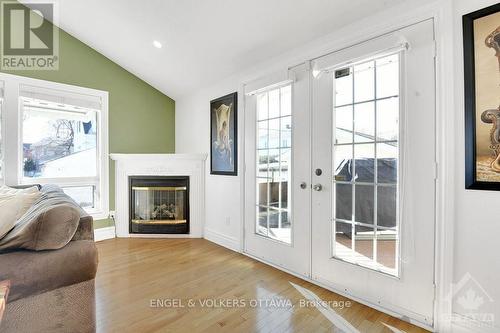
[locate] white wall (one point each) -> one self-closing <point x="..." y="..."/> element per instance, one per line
<point x="477" y="219"/>
<point x="477" y="222"/>
<point x="223" y="193"/>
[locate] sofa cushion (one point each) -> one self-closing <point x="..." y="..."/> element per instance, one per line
<point x="26" y="197"/>
<point x="36" y="272"/>
<point x="4" y="189"/>
<point x="14" y="203"/>
<point x="9" y="205"/>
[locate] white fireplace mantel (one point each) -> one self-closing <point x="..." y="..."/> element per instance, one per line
<point x="192" y="165"/>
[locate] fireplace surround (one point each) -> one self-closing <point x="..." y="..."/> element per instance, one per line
<point x="128" y="166"/>
<point x="159" y="204"/>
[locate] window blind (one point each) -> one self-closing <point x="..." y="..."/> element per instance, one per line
<point x="61" y="97"/>
<point x="389" y="43"/>
<point x="272" y="81"/>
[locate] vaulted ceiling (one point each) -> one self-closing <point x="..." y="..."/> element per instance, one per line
<point x="203" y="40"/>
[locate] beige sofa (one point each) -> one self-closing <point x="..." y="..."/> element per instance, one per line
<point x="52" y="290"/>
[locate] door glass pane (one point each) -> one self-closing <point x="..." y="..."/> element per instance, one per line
<point x="262" y="180"/>
<point x="387" y="162"/>
<point x="285" y="165"/>
<point x="364" y="81"/>
<point x="274" y="165"/>
<point x="388" y="119"/>
<point x="343" y="239"/>
<point x="364" y="158"/>
<point x="262" y="163"/>
<point x="262" y="191"/>
<point x="262" y="134"/>
<point x="273" y="168"/>
<point x="386" y="249"/>
<point x="365" y="163"/>
<point x="387" y="76"/>
<point x="343" y="124"/>
<point x="343" y="203"/>
<point x="364" y="122"/>
<point x="262" y="107"/>
<point x="342" y="163"/>
<point x="274" y="103"/>
<point x="286" y="132"/>
<point x="363" y="244"/>
<point x="262" y="220"/>
<point x="354" y="243"/>
<point x="386" y="206"/>
<point x="364" y="204"/>
<point x="274" y="133"/>
<point x="343" y="89"/>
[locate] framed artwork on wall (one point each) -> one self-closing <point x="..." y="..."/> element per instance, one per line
<point x="481" y="38"/>
<point x="224" y="135"/>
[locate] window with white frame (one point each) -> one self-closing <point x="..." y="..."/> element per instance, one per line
<point x="60" y="138"/>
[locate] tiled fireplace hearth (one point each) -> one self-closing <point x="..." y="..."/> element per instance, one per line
<point x="159" y="195"/>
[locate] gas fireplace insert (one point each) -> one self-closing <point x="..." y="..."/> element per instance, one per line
<point x="159" y="204"/>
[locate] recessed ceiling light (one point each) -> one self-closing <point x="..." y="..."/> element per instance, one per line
<point x="157" y="44"/>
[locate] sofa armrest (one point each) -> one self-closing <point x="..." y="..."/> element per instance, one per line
<point x="85" y="230"/>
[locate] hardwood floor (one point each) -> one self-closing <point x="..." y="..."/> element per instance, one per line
<point x="135" y="274"/>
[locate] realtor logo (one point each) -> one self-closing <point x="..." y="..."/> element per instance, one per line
<point x="29" y="36"/>
<point x="474" y="303"/>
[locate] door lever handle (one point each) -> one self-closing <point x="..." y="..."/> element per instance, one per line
<point x="317" y="187"/>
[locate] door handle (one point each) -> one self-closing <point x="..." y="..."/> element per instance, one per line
<point x="317" y="187"/>
<point x="303" y="185"/>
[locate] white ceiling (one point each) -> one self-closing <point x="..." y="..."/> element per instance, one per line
<point x="203" y="40"/>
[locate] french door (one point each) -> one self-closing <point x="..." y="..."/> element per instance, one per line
<point x="347" y="197"/>
<point x="374" y="140"/>
<point x="278" y="164"/>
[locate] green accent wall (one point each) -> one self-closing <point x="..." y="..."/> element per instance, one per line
<point x="141" y="118"/>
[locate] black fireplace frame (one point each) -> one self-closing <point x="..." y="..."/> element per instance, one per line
<point x="164" y="229"/>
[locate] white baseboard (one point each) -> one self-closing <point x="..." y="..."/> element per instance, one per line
<point x="229" y="242"/>
<point x="462" y="324"/>
<point x="104" y="233"/>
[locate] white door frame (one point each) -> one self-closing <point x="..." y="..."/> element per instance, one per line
<point x="442" y="14"/>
